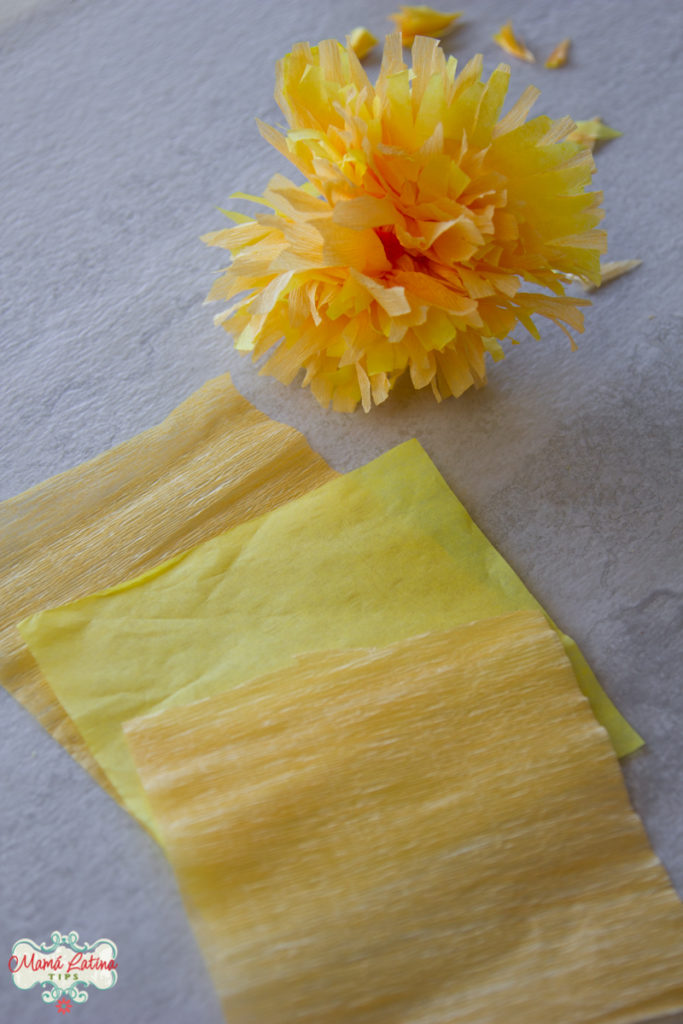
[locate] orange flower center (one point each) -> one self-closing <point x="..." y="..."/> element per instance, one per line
<point x="392" y="247"/>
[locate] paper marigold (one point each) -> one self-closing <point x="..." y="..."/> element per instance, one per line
<point x="424" y="228"/>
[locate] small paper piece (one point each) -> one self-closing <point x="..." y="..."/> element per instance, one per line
<point x="508" y="41"/>
<point x="611" y="270"/>
<point x="382" y="553"/>
<point x="437" y="831"/>
<point x="421" y="20"/>
<point x="361" y="42"/>
<point x="591" y="132"/>
<point x="213" y="463"/>
<point x="558" y="57"/>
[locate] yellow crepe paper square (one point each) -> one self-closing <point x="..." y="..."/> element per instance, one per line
<point x="437" y="831"/>
<point x="380" y="554"/>
<point x="213" y="463"/>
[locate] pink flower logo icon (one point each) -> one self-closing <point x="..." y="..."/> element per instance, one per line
<point x="63" y="1005"/>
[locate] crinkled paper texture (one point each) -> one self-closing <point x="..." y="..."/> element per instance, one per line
<point x="424" y="214"/>
<point x="380" y="554"/>
<point x="436" y="831"/>
<point x="213" y="463"/>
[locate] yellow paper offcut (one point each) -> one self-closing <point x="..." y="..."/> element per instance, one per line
<point x="421" y="20"/>
<point x="593" y="132"/>
<point x="437" y="831"/>
<point x="613" y="269"/>
<point x="508" y="41"/>
<point x="380" y="554"/>
<point x="558" y="57"/>
<point x="361" y="41"/>
<point x="213" y="463"/>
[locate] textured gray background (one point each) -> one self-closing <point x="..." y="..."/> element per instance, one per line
<point x="123" y="125"/>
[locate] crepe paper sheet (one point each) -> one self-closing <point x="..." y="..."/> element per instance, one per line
<point x="213" y="463"/>
<point x="558" y="57"/>
<point x="361" y="41"/>
<point x="508" y="41"/>
<point x="437" y="831"/>
<point x="421" y="20"/>
<point x="382" y="553"/>
<point x="613" y="269"/>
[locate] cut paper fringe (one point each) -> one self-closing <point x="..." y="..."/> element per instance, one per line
<point x="382" y="553"/>
<point x="427" y="225"/>
<point x="437" y="831"/>
<point x="215" y="462"/>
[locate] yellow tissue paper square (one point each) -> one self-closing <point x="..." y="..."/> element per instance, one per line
<point x="380" y="554"/>
<point x="433" y="832"/>
<point x="213" y="463"/>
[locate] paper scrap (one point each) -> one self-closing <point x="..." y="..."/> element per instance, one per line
<point x="420" y="20"/>
<point x="382" y="553"/>
<point x="558" y="57"/>
<point x="213" y="463"/>
<point x="508" y="41"/>
<point x="436" y="831"/>
<point x="361" y="41"/>
<point x="613" y="269"/>
<point x="593" y="132"/>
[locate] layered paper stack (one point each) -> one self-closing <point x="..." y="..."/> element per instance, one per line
<point x="414" y="815"/>
<point x="215" y="462"/>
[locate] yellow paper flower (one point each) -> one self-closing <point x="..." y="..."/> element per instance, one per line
<point x="420" y="20"/>
<point x="422" y="235"/>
